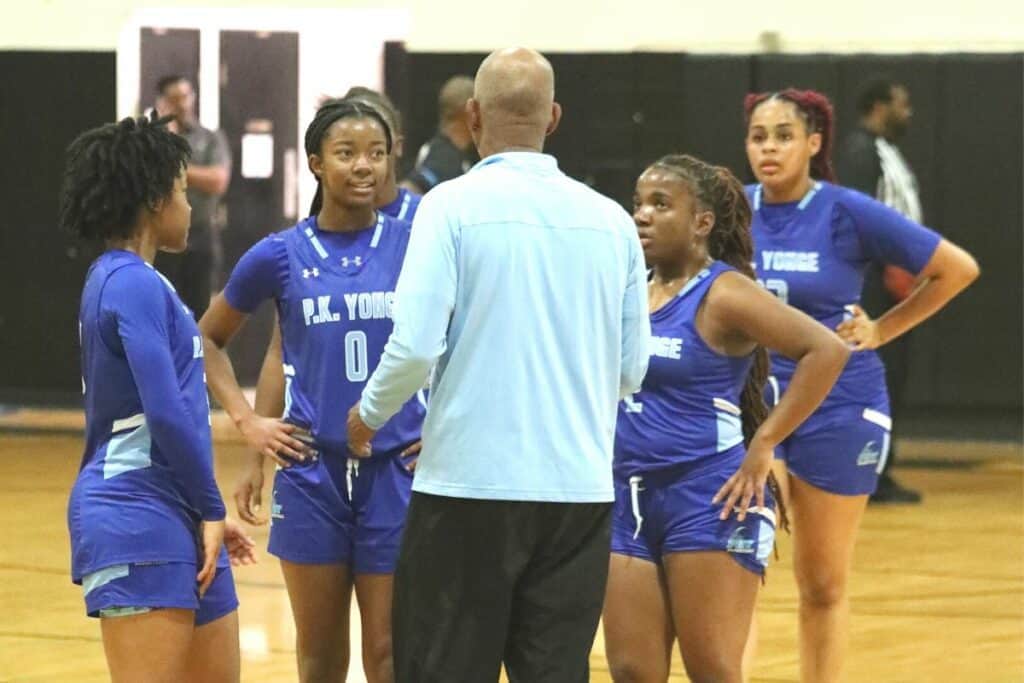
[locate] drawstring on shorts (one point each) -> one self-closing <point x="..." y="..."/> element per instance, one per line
<point x="634" y="499"/>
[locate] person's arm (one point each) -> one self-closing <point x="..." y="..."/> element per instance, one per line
<point x="948" y="272"/>
<point x="636" y="322"/>
<point x="137" y="301"/>
<point x="213" y="176"/>
<point x="270" y="387"/>
<point x="743" y="309"/>
<point x="943" y="270"/>
<point x="209" y="179"/>
<point x="424" y="301"/>
<point x="269" y="402"/>
<point x="255" y="279"/>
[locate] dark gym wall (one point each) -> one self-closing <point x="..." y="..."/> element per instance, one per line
<point x="46" y="100"/>
<point x="965" y="145"/>
<point x="622" y="110"/>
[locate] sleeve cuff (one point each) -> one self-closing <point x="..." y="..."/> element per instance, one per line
<point x="369" y="418"/>
<point x="215" y="515"/>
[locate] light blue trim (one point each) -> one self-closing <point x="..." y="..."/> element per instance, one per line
<point x="730" y="430"/>
<point x="316" y="243"/>
<point x="114" y="612"/>
<point x="886" y="442"/>
<point x="693" y="282"/>
<point x="128" y="451"/>
<point x="803" y="202"/>
<point x="406" y="200"/>
<point x="377" y="231"/>
<point x="289" y="377"/>
<point x="809" y="196"/>
<point x="91" y="582"/>
<point x="773" y="382"/>
<point x="765" y="541"/>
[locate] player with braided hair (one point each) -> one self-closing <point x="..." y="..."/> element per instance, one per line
<point x="693" y="525"/>
<point x="813" y="241"/>
<point x="146" y="520"/>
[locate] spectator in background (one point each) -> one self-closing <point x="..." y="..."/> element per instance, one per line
<point x="191" y="272"/>
<point x="870" y="161"/>
<point x="450" y="153"/>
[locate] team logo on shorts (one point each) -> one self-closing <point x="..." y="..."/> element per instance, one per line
<point x="870" y="454"/>
<point x="740" y="542"/>
<point x="276" y="512"/>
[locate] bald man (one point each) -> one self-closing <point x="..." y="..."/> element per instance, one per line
<point x="525" y="291"/>
<point x="450" y="153"/>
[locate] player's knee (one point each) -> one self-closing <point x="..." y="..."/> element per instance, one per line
<point x="377" y="655"/>
<point x="713" y="668"/>
<point x="323" y="665"/>
<point x="634" y="670"/>
<point x="822" y="590"/>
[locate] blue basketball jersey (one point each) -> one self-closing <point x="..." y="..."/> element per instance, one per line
<point x="334" y="293"/>
<point x="404" y="207"/>
<point x="812" y="254"/>
<point x="688" y="406"/>
<point x="146" y="477"/>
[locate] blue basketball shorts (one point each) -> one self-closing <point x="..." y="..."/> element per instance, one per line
<point x="128" y="589"/>
<point x="341" y="510"/>
<point x="671" y="512"/>
<point x="841" y="449"/>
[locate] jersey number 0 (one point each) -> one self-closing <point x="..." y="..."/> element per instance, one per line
<point x="356" y="366"/>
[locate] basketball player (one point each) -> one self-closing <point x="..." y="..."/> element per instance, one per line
<point x="392" y="200"/>
<point x="146" y="520"/>
<point x="336" y="520"/>
<point x="693" y="525"/>
<point x="812" y="243"/>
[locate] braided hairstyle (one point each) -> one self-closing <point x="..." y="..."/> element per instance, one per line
<point x="327" y="115"/>
<point x="816" y="112"/>
<point x="113" y="172"/>
<point x="716" y="189"/>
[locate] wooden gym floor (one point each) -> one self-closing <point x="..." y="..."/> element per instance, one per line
<point x="937" y="591"/>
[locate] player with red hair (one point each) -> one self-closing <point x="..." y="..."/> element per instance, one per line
<point x="812" y="243"/>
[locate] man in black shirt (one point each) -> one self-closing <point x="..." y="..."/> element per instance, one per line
<point x="450" y="153"/>
<point x="870" y="161"/>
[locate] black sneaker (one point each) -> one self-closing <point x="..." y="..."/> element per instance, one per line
<point x="890" y="491"/>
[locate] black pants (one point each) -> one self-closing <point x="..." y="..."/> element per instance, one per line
<point x="191" y="273"/>
<point x="480" y="583"/>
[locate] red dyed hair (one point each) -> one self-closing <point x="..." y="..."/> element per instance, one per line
<point x="816" y="111"/>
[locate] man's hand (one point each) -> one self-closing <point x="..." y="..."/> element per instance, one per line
<point x="359" y="435"/>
